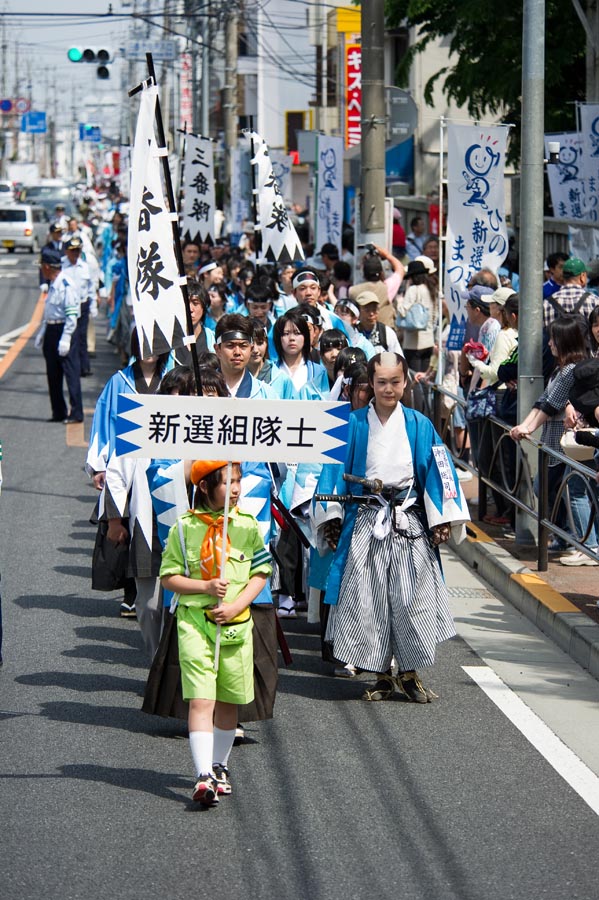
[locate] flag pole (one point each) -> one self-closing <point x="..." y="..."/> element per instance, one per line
<point x="257" y="229"/>
<point x="223" y="560"/>
<point x="161" y="141"/>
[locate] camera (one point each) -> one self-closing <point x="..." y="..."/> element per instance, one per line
<point x="369" y="248"/>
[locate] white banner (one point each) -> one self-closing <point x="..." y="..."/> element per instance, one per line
<point x="281" y="166"/>
<point x="566" y="179"/>
<point x="279" y="240"/>
<point x="329" y="191"/>
<point x="589" y="136"/>
<point x="197" y="215"/>
<point x="171" y="427"/>
<point x="153" y="273"/>
<point x="476" y="231"/>
<point x="241" y="190"/>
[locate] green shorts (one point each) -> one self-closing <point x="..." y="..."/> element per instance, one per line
<point x="234" y="682"/>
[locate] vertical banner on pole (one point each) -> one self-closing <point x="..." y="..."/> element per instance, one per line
<point x="280" y="243"/>
<point x="476" y="231"/>
<point x="125" y="170"/>
<point x="197" y="216"/>
<point x="566" y="179"/>
<point x="158" y="304"/>
<point x="329" y="191"/>
<point x="281" y="166"/>
<point x="241" y="192"/>
<point x="589" y="145"/>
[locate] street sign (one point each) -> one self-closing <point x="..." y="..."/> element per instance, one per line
<point x="5" y="105"/>
<point x="402" y="114"/>
<point x="33" y="122"/>
<point x="22" y="105"/>
<point x="172" y="427"/>
<point x="162" y="51"/>
<point x="91" y="133"/>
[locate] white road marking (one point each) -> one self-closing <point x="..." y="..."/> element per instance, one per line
<point x="11" y="335"/>
<point x="8" y="261"/>
<point x="561" y="758"/>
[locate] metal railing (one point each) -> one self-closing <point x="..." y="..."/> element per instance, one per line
<point x="516" y="483"/>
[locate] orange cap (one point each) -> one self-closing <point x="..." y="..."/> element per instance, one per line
<point x="203" y="467"/>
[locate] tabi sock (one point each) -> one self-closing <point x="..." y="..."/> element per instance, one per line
<point x="286" y="601"/>
<point x="201" y="744"/>
<point x="223" y="744"/>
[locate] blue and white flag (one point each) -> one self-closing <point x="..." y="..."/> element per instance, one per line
<point x="589" y="142"/>
<point x="476" y="230"/>
<point x="329" y="191"/>
<point x="173" y="427"/>
<point x="567" y="178"/>
<point x="154" y="277"/>
<point x="279" y="240"/>
<point x="197" y="215"/>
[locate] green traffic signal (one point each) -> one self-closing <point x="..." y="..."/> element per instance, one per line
<point x="75" y="54"/>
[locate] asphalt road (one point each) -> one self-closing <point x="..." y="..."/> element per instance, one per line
<point x="334" y="799"/>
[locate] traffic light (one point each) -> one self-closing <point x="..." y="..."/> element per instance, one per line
<point x="102" y="58"/>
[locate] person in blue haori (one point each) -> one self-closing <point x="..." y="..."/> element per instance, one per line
<point x="59" y="341"/>
<point x="385" y="586"/>
<point x="291" y="339"/>
<point x="264" y="369"/>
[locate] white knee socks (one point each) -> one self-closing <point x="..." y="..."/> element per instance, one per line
<point x="202" y="751"/>
<point x="223" y="744"/>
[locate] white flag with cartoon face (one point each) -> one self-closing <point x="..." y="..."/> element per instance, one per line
<point x="280" y="243"/>
<point x="154" y="278"/>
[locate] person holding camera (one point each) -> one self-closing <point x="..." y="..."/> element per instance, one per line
<point x="374" y="280"/>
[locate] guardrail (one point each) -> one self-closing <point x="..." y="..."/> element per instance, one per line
<point x="509" y="474"/>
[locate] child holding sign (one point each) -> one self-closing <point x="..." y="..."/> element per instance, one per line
<point x="216" y="562"/>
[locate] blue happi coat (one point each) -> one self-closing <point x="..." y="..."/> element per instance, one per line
<point x="438" y="507"/>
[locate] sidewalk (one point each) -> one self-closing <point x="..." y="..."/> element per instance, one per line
<point x="560" y="601"/>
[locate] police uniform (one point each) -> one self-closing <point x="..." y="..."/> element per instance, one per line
<point x="80" y="274"/>
<point x="60" y="323"/>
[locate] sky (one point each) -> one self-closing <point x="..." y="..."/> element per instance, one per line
<point x="43" y="41"/>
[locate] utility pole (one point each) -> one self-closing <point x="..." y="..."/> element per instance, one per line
<point x="230" y="96"/>
<point x="192" y="37"/>
<point x="3" y="93"/>
<point x="205" y="85"/>
<point x="530" y="333"/>
<point x="372" y="215"/>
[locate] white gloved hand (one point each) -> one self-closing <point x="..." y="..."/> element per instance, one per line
<point x="93" y="309"/>
<point x="44" y="288"/>
<point x="39" y="338"/>
<point x="64" y="345"/>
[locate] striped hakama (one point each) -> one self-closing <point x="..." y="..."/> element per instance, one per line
<point x="393" y="601"/>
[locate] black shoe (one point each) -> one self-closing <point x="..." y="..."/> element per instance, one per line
<point x="411" y="686"/>
<point x="71" y="421"/>
<point x="53" y="419"/>
<point x="87" y="373"/>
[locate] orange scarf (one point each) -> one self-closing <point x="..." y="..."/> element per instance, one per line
<point x="212" y="545"/>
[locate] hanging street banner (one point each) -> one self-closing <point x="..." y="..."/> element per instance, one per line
<point x="171" y="427"/>
<point x="279" y="240"/>
<point x="154" y="277"/>
<point x="197" y="215"/>
<point x="567" y="178"/>
<point x="241" y="190"/>
<point x="329" y="191"/>
<point x="589" y="170"/>
<point x="476" y="231"/>
<point x="281" y="166"/>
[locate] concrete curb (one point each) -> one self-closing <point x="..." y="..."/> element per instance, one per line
<point x="549" y="610"/>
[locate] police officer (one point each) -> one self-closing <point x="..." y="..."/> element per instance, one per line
<point x="78" y="271"/>
<point x="58" y="338"/>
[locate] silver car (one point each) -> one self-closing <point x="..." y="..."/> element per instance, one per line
<point x="23" y="225"/>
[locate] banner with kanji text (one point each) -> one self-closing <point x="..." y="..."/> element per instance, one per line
<point x="197" y="215"/>
<point x="476" y="230"/>
<point x="154" y="278"/>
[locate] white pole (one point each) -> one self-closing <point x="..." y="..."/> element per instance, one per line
<point x="223" y="556"/>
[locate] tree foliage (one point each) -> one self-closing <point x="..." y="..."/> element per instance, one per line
<point x="484" y="72"/>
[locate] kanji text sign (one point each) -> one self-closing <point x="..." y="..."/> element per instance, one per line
<point x="172" y="427"/>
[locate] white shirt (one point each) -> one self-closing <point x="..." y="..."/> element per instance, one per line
<point x="389" y="455"/>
